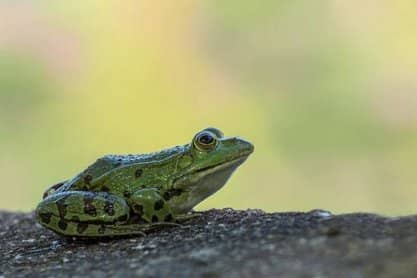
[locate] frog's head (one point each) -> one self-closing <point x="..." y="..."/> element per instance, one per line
<point x="205" y="167"/>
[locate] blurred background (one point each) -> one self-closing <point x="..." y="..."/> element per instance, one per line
<point x="326" y="90"/>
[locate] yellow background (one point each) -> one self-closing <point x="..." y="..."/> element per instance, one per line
<point x="326" y="91"/>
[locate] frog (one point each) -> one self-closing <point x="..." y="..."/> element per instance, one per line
<point x="127" y="195"/>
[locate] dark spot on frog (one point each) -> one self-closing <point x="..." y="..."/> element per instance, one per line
<point x="122" y="218"/>
<point x="138" y="173"/>
<point x="75" y="218"/>
<point x="127" y="194"/>
<point x="101" y="229"/>
<point x="89" y="207"/>
<point x="84" y="188"/>
<point x="109" y="208"/>
<point x="62" y="225"/>
<point x="62" y="207"/>
<point x="105" y="188"/>
<point x="158" y="205"/>
<point x="171" y="193"/>
<point x="168" y="218"/>
<point x="117" y="164"/>
<point x="166" y="196"/>
<point x="138" y="209"/>
<point x="155" y="218"/>
<point x="45" y="217"/>
<point x="81" y="227"/>
<point x="136" y="219"/>
<point x="88" y="179"/>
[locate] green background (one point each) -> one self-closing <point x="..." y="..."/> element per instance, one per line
<point x="326" y="91"/>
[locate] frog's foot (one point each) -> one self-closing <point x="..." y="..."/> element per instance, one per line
<point x="157" y="225"/>
<point x="186" y="217"/>
<point x="118" y="230"/>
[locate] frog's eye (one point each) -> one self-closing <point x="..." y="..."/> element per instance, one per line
<point x="205" y="141"/>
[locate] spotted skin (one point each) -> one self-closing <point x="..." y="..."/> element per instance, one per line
<point x="130" y="194"/>
<point x="150" y="205"/>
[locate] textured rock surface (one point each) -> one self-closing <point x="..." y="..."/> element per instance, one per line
<point x="222" y="243"/>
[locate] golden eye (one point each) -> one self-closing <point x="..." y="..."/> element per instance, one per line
<point x="205" y="141"/>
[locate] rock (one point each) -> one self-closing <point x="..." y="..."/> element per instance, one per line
<point x="222" y="243"/>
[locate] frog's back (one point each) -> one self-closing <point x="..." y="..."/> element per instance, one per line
<point x="122" y="160"/>
<point x="111" y="162"/>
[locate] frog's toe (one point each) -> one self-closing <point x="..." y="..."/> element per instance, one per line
<point x="185" y="217"/>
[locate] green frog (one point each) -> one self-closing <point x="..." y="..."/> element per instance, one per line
<point x="127" y="194"/>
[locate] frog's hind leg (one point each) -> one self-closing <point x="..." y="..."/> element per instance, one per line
<point x="86" y="214"/>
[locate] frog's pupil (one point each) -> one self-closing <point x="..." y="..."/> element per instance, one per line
<point x="206" y="139"/>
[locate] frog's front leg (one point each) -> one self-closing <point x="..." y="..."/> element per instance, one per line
<point x="86" y="214"/>
<point x="151" y="206"/>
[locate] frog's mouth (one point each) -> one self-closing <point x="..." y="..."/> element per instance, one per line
<point x="200" y="184"/>
<point x="217" y="167"/>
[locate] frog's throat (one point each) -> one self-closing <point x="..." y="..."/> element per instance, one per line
<point x="199" y="185"/>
